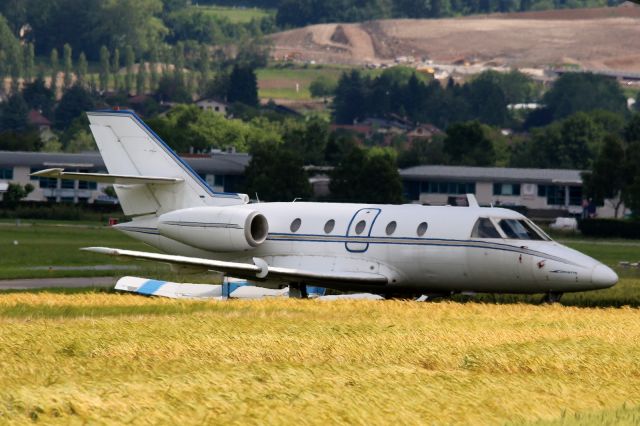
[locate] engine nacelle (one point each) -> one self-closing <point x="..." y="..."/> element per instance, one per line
<point x="221" y="229"/>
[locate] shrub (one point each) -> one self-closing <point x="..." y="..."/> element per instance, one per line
<point x="610" y="228"/>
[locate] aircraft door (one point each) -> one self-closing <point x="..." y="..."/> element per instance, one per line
<point x="360" y="228"/>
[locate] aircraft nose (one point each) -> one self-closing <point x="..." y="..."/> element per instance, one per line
<point x="603" y="277"/>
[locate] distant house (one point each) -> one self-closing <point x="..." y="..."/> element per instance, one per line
<point x="36" y="119"/>
<point x="213" y="105"/>
<point x="425" y="131"/>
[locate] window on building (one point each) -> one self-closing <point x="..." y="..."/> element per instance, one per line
<point x="48" y="183"/>
<point x="575" y="195"/>
<point x="448" y="187"/>
<point x="506" y="189"/>
<point x="67" y="184"/>
<point x="219" y="180"/>
<point x="33" y="170"/>
<point x="66" y="199"/>
<point x="6" y="173"/>
<point x="554" y="194"/>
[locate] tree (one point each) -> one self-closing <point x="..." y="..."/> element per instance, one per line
<point x="243" y="86"/>
<point x="466" y="144"/>
<point x="39" y="97"/>
<point x="349" y="102"/>
<point x="607" y="179"/>
<point x="632" y="129"/>
<point x="68" y="66"/>
<point x="54" y="70"/>
<point x="574" y="92"/>
<point x="637" y="104"/>
<point x="129" y="60"/>
<point x="83" y="69"/>
<point x="15" y="193"/>
<point x="488" y="101"/>
<point x="423" y="151"/>
<point x="75" y="101"/>
<point x="171" y="88"/>
<point x="322" y="87"/>
<point x="29" y="62"/>
<point x="141" y="79"/>
<point x="14" y="114"/>
<point x="276" y="174"/>
<point x="105" y="70"/>
<point x="116" y="69"/>
<point x="367" y="177"/>
<point x="308" y="140"/>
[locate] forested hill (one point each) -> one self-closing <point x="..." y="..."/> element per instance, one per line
<point x="147" y="25"/>
<point x="297" y="13"/>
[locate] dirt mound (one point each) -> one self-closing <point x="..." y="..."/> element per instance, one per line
<point x="591" y="38"/>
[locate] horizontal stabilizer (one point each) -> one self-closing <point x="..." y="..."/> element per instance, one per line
<point x="260" y="270"/>
<point x="106" y="178"/>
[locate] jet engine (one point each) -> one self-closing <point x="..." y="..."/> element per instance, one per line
<point x="221" y="229"/>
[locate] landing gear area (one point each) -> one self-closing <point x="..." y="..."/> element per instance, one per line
<point x="298" y="291"/>
<point x="551" y="297"/>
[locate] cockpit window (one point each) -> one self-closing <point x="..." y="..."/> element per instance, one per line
<point x="484" y="229"/>
<point x="520" y="230"/>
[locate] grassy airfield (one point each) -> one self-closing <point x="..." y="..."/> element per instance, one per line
<point x="77" y="356"/>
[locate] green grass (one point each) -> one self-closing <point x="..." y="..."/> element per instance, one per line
<point x="45" y="244"/>
<point x="236" y="15"/>
<point x="280" y="83"/>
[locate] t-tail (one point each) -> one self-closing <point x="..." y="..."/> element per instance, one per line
<point x="158" y="181"/>
<point x="148" y="176"/>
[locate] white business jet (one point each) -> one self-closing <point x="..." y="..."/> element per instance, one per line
<point x="392" y="250"/>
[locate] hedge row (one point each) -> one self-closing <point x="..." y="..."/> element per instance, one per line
<point x="610" y="228"/>
<point x="60" y="211"/>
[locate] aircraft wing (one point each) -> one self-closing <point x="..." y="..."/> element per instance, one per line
<point x="259" y="270"/>
<point x="105" y="178"/>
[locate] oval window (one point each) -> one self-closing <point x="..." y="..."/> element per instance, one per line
<point x="360" y="227"/>
<point x="328" y="227"/>
<point x="295" y="225"/>
<point x="391" y="227"/>
<point x="422" y="229"/>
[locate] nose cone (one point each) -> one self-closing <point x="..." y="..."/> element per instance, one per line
<point x="603" y="277"/>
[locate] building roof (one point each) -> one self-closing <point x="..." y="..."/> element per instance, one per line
<point x="492" y="174"/>
<point x="37" y="119"/>
<point x="219" y="163"/>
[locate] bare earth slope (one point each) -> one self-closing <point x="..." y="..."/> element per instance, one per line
<point x="607" y="38"/>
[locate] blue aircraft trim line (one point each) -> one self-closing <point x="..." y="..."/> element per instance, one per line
<point x="169" y="151"/>
<point x="150" y="287"/>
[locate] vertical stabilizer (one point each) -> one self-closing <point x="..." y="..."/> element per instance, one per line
<point x="130" y="147"/>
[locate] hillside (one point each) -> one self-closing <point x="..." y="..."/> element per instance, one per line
<point x="605" y="38"/>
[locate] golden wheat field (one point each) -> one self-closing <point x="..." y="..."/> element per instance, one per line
<point x="112" y="358"/>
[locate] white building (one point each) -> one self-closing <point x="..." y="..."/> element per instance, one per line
<point x="542" y="192"/>
<point x="222" y="171"/>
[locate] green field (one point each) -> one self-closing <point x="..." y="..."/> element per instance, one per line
<point x="30" y="249"/>
<point x="280" y="83"/>
<point x="236" y="15"/>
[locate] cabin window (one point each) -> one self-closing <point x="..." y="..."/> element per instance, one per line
<point x="360" y="227"/>
<point x="519" y="230"/>
<point x="484" y="228"/>
<point x="391" y="227"/>
<point x="422" y="229"/>
<point x="328" y="227"/>
<point x="295" y="225"/>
